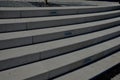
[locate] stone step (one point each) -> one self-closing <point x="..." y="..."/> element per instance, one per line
<point x="46" y="69"/>
<point x="92" y="70"/>
<point x="7" y="25"/>
<point x="51" y="11"/>
<point x="15" y="39"/>
<point x="27" y="54"/>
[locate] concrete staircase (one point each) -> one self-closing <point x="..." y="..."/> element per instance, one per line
<point x="60" y="43"/>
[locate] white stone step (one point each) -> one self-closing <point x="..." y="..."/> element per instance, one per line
<point x="93" y="70"/>
<point x="45" y="22"/>
<point x="14" y="39"/>
<point x="47" y="11"/>
<point x="31" y="53"/>
<point x="51" y="67"/>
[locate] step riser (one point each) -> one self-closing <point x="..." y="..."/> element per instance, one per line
<point x="75" y="65"/>
<point x="52" y="12"/>
<point x="13" y="27"/>
<point x="10" y="43"/>
<point x="53" y="23"/>
<point x="9" y="63"/>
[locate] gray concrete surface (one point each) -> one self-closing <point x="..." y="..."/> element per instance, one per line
<point x="80" y="1"/>
<point x="45" y="60"/>
<point x="93" y="69"/>
<point x="51" y="11"/>
<point x="57" y="62"/>
<point x="41" y="51"/>
<point x="45" y="22"/>
<point x="15" y="39"/>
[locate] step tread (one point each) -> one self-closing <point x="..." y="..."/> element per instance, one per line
<point x="12" y="35"/>
<point x="20" y="51"/>
<point x="53" y="11"/>
<point x="93" y="69"/>
<point x="57" y="62"/>
<point x="28" y="20"/>
<point x="51" y="8"/>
